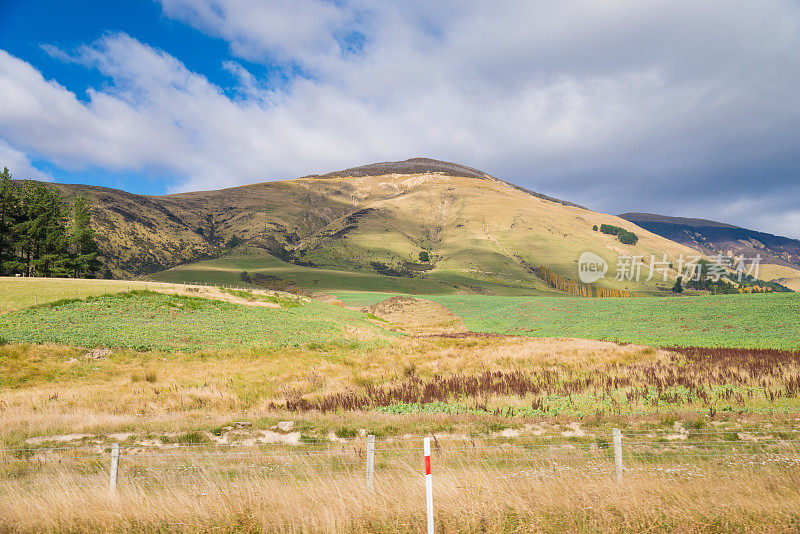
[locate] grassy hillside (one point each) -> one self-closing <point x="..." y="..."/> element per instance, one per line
<point x="480" y="233"/>
<point x="285" y="275"/>
<point x="711" y="237"/>
<point x="786" y="276"/>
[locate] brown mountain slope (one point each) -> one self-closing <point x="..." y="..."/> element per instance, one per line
<point x="711" y="237"/>
<point x="470" y="224"/>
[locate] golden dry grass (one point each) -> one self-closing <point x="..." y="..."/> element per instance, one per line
<point x="466" y="500"/>
<point x="52" y="390"/>
<point x="417" y="316"/>
<point x="61" y="396"/>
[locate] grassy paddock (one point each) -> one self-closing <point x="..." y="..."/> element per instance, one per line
<point x="149" y="320"/>
<point x="465" y="500"/>
<point x="414" y="385"/>
<point x="752" y="321"/>
<point x="18" y="293"/>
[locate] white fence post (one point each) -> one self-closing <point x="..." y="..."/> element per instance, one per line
<point x="370" y="460"/>
<point x="618" y="453"/>
<point x="114" y="467"/>
<point x="426" y="444"/>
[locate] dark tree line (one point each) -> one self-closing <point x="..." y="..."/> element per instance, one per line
<point x="626" y="237"/>
<point x="41" y="235"/>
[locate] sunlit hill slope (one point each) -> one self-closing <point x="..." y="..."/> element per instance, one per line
<point x="476" y="233"/>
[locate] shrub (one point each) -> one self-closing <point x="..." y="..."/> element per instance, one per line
<point x="626" y="237"/>
<point x="594" y="227"/>
<point x="610" y="229"/>
<point x="423" y="256"/>
<point x="678" y="288"/>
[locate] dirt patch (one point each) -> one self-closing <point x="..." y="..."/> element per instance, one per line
<point x="216" y="293"/>
<point x="59" y="438"/>
<point x="416" y="316"/>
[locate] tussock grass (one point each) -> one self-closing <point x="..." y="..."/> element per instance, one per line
<point x="466" y="500"/>
<point x="419" y="384"/>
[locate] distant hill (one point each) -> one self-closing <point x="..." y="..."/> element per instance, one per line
<point x="711" y="237"/>
<point x="434" y="224"/>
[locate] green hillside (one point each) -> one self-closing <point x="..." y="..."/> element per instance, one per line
<point x="284" y="275"/>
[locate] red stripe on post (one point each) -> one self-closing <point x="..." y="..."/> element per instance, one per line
<point x="427" y="465"/>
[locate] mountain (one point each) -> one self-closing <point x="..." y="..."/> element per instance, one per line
<point x="479" y="233"/>
<point x="780" y="255"/>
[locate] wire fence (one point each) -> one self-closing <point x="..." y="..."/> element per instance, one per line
<point x="658" y="453"/>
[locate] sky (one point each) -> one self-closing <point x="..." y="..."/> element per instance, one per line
<point x="677" y="107"/>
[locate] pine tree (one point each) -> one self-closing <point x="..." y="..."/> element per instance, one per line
<point x="42" y="234"/>
<point x="84" y="260"/>
<point x="9" y="218"/>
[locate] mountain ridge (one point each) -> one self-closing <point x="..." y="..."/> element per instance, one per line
<point x="475" y="230"/>
<point x="712" y="237"/>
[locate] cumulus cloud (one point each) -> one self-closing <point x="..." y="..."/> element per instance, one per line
<point x="19" y="164"/>
<point x="669" y="106"/>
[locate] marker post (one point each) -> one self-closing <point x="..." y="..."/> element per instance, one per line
<point x="428" y="482"/>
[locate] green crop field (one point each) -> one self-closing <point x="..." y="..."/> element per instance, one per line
<point x="755" y="321"/>
<point x="749" y="321"/>
<point x="147" y="320"/>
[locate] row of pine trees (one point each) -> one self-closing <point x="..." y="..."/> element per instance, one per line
<point x="41" y="235"/>
<point x="566" y="285"/>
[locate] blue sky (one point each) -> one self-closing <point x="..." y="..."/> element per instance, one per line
<point x="668" y="106"/>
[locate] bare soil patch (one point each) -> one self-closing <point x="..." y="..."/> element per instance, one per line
<point x="417" y="316"/>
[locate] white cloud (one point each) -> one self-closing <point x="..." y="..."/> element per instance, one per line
<point x="298" y="30"/>
<point x="19" y="164"/>
<point x="621" y="105"/>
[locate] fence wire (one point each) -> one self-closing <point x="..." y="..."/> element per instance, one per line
<point x="682" y="454"/>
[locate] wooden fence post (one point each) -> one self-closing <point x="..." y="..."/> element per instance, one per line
<point x="114" y="467"/>
<point x="370" y="460"/>
<point x="618" y="453"/>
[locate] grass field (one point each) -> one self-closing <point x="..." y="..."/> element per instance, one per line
<point x="149" y="320"/>
<point x="755" y="321"/>
<point x="180" y="370"/>
<point x="410" y="385"/>
<point x="465" y="500"/>
<point x="17" y="293"/>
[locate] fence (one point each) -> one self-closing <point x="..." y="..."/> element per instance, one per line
<point x="370" y="460"/>
<point x="679" y="453"/>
